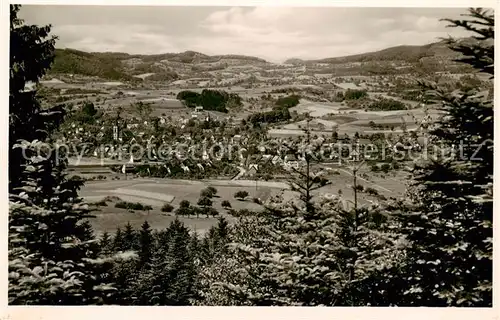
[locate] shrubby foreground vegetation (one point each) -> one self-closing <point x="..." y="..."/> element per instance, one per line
<point x="432" y="248"/>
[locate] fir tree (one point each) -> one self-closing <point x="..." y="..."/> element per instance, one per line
<point x="129" y="238"/>
<point x="105" y="243"/>
<point x="126" y="271"/>
<point x="171" y="279"/>
<point x="306" y="252"/>
<point x="52" y="250"/>
<point x="222" y="228"/>
<point x="291" y="259"/>
<point x="31" y="54"/>
<point x="449" y="218"/>
<point x="196" y="249"/>
<point x="216" y="240"/>
<point x="118" y="240"/>
<point x="47" y="218"/>
<point x="145" y="245"/>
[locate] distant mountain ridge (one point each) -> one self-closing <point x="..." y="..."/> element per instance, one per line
<point x="172" y="66"/>
<point x="408" y="53"/>
<point x="411" y="53"/>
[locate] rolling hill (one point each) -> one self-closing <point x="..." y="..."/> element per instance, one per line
<point x="406" y="53"/>
<point x="69" y="61"/>
<point x="399" y="53"/>
<point x="124" y="66"/>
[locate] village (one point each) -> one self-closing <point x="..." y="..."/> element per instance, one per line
<point x="155" y="136"/>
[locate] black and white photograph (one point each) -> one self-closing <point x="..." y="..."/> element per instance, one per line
<point x="207" y="155"/>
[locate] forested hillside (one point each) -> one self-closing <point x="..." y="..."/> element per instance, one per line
<point x="124" y="66"/>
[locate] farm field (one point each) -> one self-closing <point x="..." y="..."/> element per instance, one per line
<point x="316" y="109"/>
<point x="390" y="185"/>
<point x="156" y="192"/>
<point x="352" y="120"/>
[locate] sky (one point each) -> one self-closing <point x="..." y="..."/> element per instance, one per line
<point x="271" y="33"/>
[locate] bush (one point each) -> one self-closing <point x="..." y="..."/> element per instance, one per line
<point x="101" y="203"/>
<point x="209" y="211"/>
<point x="111" y="198"/>
<point x="208" y="192"/>
<point x="257" y="200"/>
<point x="288" y="102"/>
<point x="226" y="204"/>
<point x="133" y="206"/>
<point x="387" y="105"/>
<point x="167" y="207"/>
<point x="205" y="202"/>
<point x="371" y="191"/>
<point x="354" y="94"/>
<point x="121" y="205"/>
<point x="395" y="165"/>
<point x="385" y="168"/>
<point x="374" y="168"/>
<point x="359" y="187"/>
<point x="338" y="97"/>
<point x="267" y="177"/>
<point x="89" y="109"/>
<point x="278" y="114"/>
<point x="184" y="204"/>
<point x="381" y="197"/>
<point x="186" y="211"/>
<point x="240" y="195"/>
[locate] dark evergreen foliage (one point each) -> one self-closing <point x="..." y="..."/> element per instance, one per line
<point x="386" y="105"/>
<point x="145" y="245"/>
<point x="449" y="220"/>
<point x="210" y="99"/>
<point x="31" y="53"/>
<point x="52" y="251"/>
<point x="351" y="94"/>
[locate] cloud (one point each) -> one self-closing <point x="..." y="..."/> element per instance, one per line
<point x="141" y="39"/>
<point x="279" y="33"/>
<point x="426" y="24"/>
<point x="273" y="33"/>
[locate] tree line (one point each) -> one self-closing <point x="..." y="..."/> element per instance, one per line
<point x="279" y="112"/>
<point x="215" y="100"/>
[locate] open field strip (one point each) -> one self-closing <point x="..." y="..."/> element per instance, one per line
<point x="138" y="199"/>
<point x="144" y="194"/>
<point x="316" y="109"/>
<point x="249" y="183"/>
